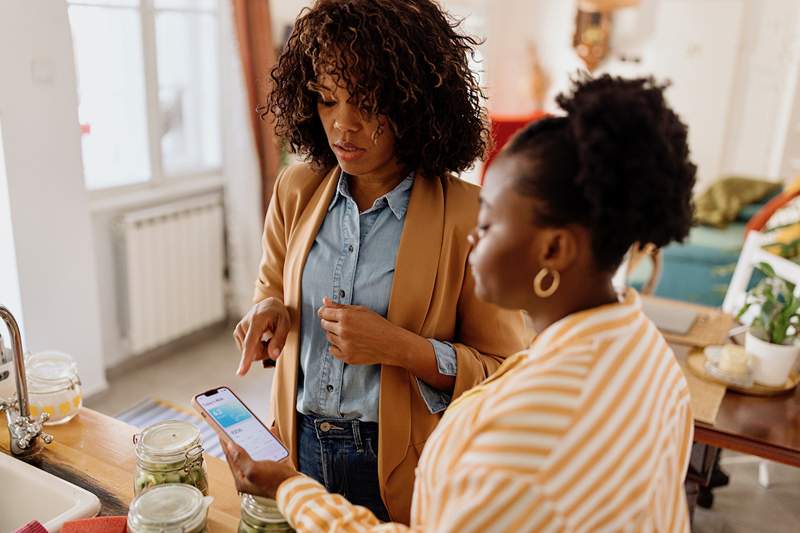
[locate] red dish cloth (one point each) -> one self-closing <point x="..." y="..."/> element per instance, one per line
<point x="32" y="527"/>
<point x="100" y="524"/>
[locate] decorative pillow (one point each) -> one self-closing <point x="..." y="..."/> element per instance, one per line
<point x="720" y="204"/>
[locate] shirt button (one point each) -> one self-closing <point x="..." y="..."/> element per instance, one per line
<point x="330" y="388"/>
<point x="350" y="248"/>
<point x="341" y="293"/>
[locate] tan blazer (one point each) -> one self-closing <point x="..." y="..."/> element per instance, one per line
<point x="432" y="296"/>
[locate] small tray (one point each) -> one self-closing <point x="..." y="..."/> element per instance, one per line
<point x="697" y="364"/>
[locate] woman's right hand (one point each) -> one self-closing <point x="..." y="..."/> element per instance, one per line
<point x="267" y="316"/>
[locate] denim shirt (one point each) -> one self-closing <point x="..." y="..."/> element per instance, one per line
<point x="352" y="261"/>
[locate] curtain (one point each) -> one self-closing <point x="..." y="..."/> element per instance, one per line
<point x="257" y="53"/>
<point x="244" y="216"/>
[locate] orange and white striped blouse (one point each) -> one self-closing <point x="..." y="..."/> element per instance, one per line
<point x="588" y="430"/>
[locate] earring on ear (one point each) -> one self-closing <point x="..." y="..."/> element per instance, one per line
<point x="537" y="283"/>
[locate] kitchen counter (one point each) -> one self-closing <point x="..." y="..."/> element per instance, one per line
<point x="96" y="452"/>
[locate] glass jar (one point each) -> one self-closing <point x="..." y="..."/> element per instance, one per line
<point x="171" y="508"/>
<point x="261" y="515"/>
<point x="169" y="452"/>
<point x="53" y="386"/>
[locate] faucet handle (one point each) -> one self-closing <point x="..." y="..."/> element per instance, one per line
<point x="9" y="404"/>
<point x="29" y="428"/>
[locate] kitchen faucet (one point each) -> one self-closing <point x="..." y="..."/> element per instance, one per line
<point x="24" y="431"/>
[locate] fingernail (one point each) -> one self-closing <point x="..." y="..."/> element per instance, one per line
<point x="275" y="352"/>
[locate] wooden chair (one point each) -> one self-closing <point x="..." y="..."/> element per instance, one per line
<point x="636" y="254"/>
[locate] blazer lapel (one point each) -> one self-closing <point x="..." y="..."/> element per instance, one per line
<point x="301" y="239"/>
<point x="412" y="290"/>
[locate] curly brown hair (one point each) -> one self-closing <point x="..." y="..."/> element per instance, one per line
<point x="402" y="59"/>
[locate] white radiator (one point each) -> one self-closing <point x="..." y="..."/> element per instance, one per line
<point x="172" y="268"/>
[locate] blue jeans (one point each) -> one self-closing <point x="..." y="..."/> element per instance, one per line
<point x="343" y="456"/>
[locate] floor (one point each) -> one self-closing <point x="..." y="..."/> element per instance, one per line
<point x="741" y="507"/>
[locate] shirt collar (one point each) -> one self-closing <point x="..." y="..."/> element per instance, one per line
<point x="611" y="320"/>
<point x="397" y="198"/>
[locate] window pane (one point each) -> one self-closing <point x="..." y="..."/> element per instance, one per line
<point x="188" y="90"/>
<point x="185" y="4"/>
<point x="111" y="93"/>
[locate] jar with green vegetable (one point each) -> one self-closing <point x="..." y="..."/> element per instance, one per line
<point x="261" y="515"/>
<point x="169" y="452"/>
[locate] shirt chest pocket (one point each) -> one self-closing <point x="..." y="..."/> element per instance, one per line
<point x="373" y="285"/>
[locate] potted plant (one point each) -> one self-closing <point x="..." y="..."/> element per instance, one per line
<point x="771" y="339"/>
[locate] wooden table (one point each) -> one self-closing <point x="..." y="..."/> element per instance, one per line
<point x="768" y="427"/>
<point x="96" y="452"/>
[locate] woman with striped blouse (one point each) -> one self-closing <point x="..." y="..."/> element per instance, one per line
<point x="590" y="428"/>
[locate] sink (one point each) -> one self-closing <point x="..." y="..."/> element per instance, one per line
<point x="31" y="494"/>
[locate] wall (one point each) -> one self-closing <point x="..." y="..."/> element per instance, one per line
<point x="284" y="12"/>
<point x="47" y="201"/>
<point x="9" y="280"/>
<point x="763" y="134"/>
<point x="694" y="43"/>
<point x="733" y="64"/>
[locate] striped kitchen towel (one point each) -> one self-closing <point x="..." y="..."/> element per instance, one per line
<point x="150" y="411"/>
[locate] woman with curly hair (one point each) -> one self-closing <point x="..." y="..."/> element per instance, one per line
<point x="590" y="428"/>
<point x="364" y="286"/>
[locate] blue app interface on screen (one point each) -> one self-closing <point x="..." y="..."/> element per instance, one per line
<point x="242" y="426"/>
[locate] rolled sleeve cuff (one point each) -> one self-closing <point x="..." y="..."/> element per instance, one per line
<point x="436" y="400"/>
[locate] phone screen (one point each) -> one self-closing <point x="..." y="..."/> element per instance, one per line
<point x="241" y="425"/>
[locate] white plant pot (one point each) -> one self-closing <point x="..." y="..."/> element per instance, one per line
<point x="771" y="362"/>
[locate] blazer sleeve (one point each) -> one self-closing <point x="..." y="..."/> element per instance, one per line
<point x="486" y="335"/>
<point x="273" y="244"/>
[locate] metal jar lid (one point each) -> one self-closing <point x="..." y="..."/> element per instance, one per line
<point x="169" y="508"/>
<point x="167" y="442"/>
<point x="51" y="371"/>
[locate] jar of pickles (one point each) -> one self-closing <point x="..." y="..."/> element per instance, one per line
<point x="261" y="515"/>
<point x="171" y="508"/>
<point x="169" y="452"/>
<point x="53" y="386"/>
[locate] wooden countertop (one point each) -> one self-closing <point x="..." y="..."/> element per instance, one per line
<point x="96" y="452"/>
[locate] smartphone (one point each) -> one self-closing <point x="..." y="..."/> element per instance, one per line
<point x="222" y="408"/>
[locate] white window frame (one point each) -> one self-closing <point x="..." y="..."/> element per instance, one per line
<point x="159" y="185"/>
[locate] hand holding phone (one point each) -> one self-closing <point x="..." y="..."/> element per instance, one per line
<point x="224" y="411"/>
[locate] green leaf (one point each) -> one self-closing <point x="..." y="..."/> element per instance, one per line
<point x="743" y="310"/>
<point x="766" y="269"/>
<point x="778" y="307"/>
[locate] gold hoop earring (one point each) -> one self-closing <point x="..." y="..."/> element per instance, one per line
<point x="537" y="283"/>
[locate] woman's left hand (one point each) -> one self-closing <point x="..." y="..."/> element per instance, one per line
<point x="259" y="478"/>
<point x="360" y="336"/>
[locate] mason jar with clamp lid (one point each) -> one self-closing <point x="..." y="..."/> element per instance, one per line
<point x="261" y="515"/>
<point x="169" y="452"/>
<point x="171" y="508"/>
